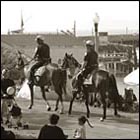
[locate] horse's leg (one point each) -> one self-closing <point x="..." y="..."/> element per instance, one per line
<point x="62" y="105"/>
<point x="104" y="109"/>
<point x="44" y="97"/>
<point x="102" y="92"/>
<point x="58" y="90"/>
<point x="71" y="102"/>
<point x="115" y="108"/>
<point x="32" y="95"/>
<point x="86" y="94"/>
<point x="57" y="103"/>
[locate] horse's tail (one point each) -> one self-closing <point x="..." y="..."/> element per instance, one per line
<point x="113" y="83"/>
<point x="59" y="78"/>
<point x="64" y="80"/>
<point x="114" y="88"/>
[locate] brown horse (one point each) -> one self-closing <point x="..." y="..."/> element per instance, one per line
<point x="47" y="75"/>
<point x="103" y="83"/>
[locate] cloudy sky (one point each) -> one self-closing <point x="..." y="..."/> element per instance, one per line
<point x="48" y="16"/>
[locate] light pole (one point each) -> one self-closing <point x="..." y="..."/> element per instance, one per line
<point x="96" y="22"/>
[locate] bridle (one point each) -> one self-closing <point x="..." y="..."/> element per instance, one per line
<point x="70" y="62"/>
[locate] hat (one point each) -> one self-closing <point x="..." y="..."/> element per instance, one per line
<point x="89" y="43"/>
<point x="39" y="37"/>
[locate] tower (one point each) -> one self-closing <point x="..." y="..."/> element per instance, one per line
<point x="74" y="29"/>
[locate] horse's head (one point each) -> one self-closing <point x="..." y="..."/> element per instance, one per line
<point x="70" y="62"/>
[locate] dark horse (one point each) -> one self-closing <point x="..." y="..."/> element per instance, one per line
<point x="47" y="75"/>
<point x="103" y="83"/>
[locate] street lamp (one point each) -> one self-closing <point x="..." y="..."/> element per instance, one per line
<point x="96" y="22"/>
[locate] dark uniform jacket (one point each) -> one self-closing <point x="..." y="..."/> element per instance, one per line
<point x="43" y="52"/>
<point x="91" y="58"/>
<point x="51" y="132"/>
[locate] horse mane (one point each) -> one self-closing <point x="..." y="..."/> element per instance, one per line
<point x="77" y="64"/>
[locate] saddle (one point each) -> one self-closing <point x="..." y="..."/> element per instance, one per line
<point x="88" y="80"/>
<point x="39" y="74"/>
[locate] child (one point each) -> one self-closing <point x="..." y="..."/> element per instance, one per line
<point x="80" y="133"/>
<point x="15" y="116"/>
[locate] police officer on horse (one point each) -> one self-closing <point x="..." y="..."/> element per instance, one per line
<point x="90" y="63"/>
<point x="41" y="56"/>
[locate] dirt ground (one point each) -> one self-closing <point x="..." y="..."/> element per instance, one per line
<point x="125" y="127"/>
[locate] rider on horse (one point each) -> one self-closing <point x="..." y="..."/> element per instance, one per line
<point x="90" y="63"/>
<point x="41" y="56"/>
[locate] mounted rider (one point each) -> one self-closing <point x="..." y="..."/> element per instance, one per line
<point x="90" y="63"/>
<point x="41" y="56"/>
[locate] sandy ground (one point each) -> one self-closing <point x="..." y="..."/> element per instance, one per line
<point x="125" y="127"/>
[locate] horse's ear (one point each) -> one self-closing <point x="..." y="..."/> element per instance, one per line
<point x="66" y="54"/>
<point x="71" y="54"/>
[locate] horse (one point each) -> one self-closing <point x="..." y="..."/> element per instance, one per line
<point x="47" y="75"/>
<point x="103" y="83"/>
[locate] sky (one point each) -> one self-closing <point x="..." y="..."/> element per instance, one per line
<point x="53" y="16"/>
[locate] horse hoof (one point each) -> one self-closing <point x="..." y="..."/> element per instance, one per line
<point x="29" y="107"/>
<point x="56" y="109"/>
<point x="49" y="109"/>
<point x="69" y="113"/>
<point x="101" y="119"/>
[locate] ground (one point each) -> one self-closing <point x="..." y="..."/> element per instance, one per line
<point x="125" y="127"/>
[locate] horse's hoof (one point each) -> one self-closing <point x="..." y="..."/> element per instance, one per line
<point x="29" y="107"/>
<point x="69" y="113"/>
<point x="101" y="119"/>
<point x="56" y="109"/>
<point x="49" y="109"/>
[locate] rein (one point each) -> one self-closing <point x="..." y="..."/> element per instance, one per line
<point x="27" y="63"/>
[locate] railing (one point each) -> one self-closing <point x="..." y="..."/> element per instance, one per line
<point x="113" y="55"/>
